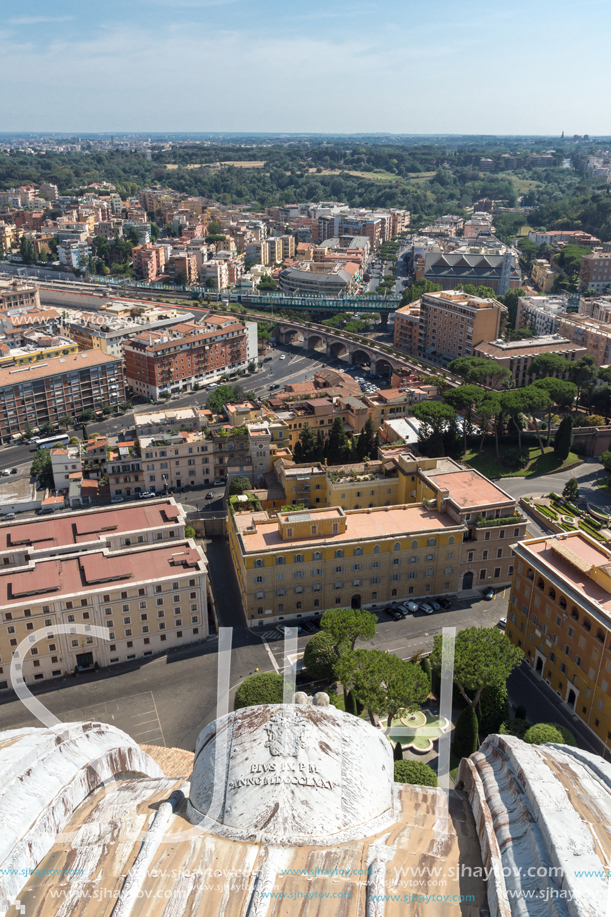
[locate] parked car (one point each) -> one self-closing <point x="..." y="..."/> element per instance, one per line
<point x="427" y="609"/>
<point x="395" y="615"/>
<point x="210" y="495"/>
<point x="13" y="471"/>
<point x="489" y="594"/>
<point x="283" y="357"/>
<point x="146" y="494"/>
<point x="273" y="387"/>
<point x="218" y="482"/>
<point x="308" y="628"/>
<point x="502" y="623"/>
<point x="288" y="629"/>
<point x="435" y="605"/>
<point x="445" y="603"/>
<point x="7" y="516"/>
<point x="118" y="500"/>
<point x="267" y="359"/>
<point x="410" y="607"/>
<point x="396" y="607"/>
<point x="5" y="473"/>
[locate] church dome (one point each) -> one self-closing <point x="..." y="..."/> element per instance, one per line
<point x="293" y="774"/>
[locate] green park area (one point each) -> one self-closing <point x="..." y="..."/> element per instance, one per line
<point x="487" y="463"/>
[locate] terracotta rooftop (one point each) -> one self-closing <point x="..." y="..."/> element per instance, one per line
<point x="471" y="489"/>
<point x="361" y="525"/>
<point x="87" y="526"/>
<point x="86" y="572"/>
<point x="587" y="553"/>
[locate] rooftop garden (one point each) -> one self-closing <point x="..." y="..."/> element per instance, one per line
<point x="482" y="522"/>
<point x="237" y="503"/>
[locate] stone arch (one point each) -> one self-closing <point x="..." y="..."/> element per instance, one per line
<point x="338" y="348"/>
<point x="360" y="357"/>
<point x="316" y="342"/>
<point x="383" y="366"/>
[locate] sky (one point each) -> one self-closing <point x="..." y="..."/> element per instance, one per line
<point x="396" y="66"/>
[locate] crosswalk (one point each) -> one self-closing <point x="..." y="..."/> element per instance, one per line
<point x="268" y="634"/>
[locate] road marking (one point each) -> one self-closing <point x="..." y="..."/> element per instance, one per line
<point x="158" y="718"/>
<point x="147" y="731"/>
<point x="272" y="657"/>
<point x="142" y="714"/>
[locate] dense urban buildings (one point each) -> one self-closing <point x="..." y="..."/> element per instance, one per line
<point x="518" y="355"/>
<point x="451" y="324"/>
<point x="129" y="570"/>
<point x="559" y="613"/>
<point x="188" y="354"/>
<point x="40" y="393"/>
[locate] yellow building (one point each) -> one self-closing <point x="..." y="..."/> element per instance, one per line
<point x="560" y="614"/>
<point x="301" y="563"/>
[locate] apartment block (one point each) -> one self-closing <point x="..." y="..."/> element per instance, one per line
<point x="299" y="564"/>
<point x="176" y="360"/>
<point x="74" y="254"/>
<point x="542" y="275"/>
<point x="406" y="330"/>
<point x="560" y="615"/>
<point x="187" y="459"/>
<point x="217" y="271"/>
<point x="540" y="312"/>
<point x="66" y="465"/>
<point x="149" y="261"/>
<point x="518" y="355"/>
<point x="593" y="335"/>
<point x="453" y="323"/>
<point x="491" y="516"/>
<point x="595" y="272"/>
<point x="185" y="266"/>
<point x="43" y="392"/>
<point x="18" y="294"/>
<point x="128" y="573"/>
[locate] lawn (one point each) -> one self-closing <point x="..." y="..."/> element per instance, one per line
<point x="487" y="463"/>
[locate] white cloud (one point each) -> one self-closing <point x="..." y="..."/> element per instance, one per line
<point x="34" y="20"/>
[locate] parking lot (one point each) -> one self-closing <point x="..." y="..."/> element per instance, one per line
<point x="406" y="634"/>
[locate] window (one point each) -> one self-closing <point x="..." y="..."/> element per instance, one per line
<point x="358" y="552"/>
<point x="413" y="560"/>
<point x="430" y="557"/>
<point x="317" y="555"/>
<point x="298" y="559"/>
<point x="376" y="549"/>
<point x="258" y="579"/>
<point x="397" y="546"/>
<point x="258" y="563"/>
<point x="451" y="539"/>
<point x="414" y="545"/>
<point x="431" y="542"/>
<point x="487" y="536"/>
<point x="412" y="574"/>
<point x="470" y="556"/>
<point x="125" y="608"/>
<point x="428" y="571"/>
<point x="279" y="561"/>
<point x="339" y="553"/>
<point x="482" y="574"/>
<point x="375" y="579"/>
<point x="497" y="572"/>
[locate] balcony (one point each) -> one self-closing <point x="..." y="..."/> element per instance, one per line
<point x="517" y="519"/>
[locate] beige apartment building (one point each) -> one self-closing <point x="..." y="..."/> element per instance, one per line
<point x="406" y="331"/>
<point x="492" y="519"/>
<point x="129" y="570"/>
<point x="300" y="563"/>
<point x="452" y="323"/>
<point x="518" y="355"/>
<point x="187" y="459"/>
<point x="560" y="615"/>
<point x="593" y="335"/>
<point x="595" y="272"/>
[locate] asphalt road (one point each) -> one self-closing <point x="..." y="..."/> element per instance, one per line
<point x="169" y="699"/>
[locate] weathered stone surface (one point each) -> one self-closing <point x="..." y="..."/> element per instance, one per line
<point x="293" y="771"/>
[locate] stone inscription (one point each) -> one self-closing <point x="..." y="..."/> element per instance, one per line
<point x="287" y="772"/>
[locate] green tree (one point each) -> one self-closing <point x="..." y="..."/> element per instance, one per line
<point x="562" y="395"/>
<point x="238" y="486"/>
<point x="548" y="364"/>
<point x="397" y="751"/>
<point x="383" y="682"/>
<point x="87" y="415"/>
<point x="481" y="370"/>
<point x="583" y="373"/>
<point x="510" y="300"/>
<point x="338" y="450"/>
<point x="267" y="283"/>
<point x="320" y="658"/>
<point x="27" y="250"/>
<point x="415" y="772"/>
<point x="465" y="399"/>
<point x="605" y="461"/>
<point x="571" y="490"/>
<point x="348" y="625"/>
<point x="601" y="400"/>
<point x="465" y="741"/>
<point x="305" y="448"/>
<point x="260" y="688"/>
<point x="514" y="404"/>
<point x="190" y="532"/>
<point x="490" y="412"/>
<point x="563" y="439"/>
<point x="542" y="733"/>
<point x="224" y="394"/>
<point x="417" y="290"/>
<point x="483" y="656"/>
<point x="435" y="419"/>
<point x="493" y="709"/>
<point x="41" y="468"/>
<point x="366" y="443"/>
